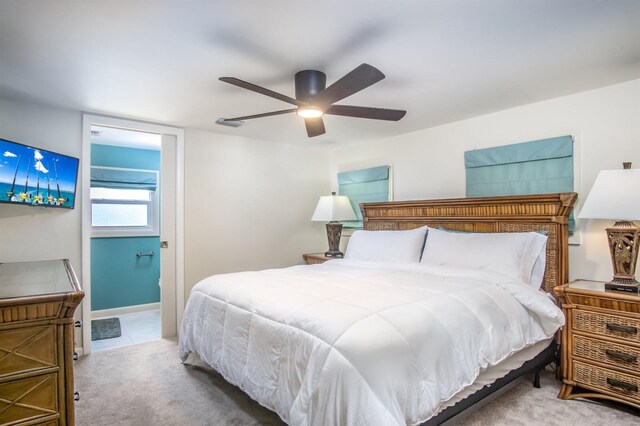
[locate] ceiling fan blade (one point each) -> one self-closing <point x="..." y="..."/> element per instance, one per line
<point x="315" y="126"/>
<point x="360" y="78"/>
<point x="366" y="112"/>
<point x="261" y="90"/>
<point x="264" y="114"/>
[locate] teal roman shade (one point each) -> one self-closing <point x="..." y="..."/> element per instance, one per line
<point x="363" y="186"/>
<point x="537" y="167"/>
<point x="123" y="178"/>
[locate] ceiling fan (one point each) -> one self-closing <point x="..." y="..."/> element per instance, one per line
<point x="314" y="99"/>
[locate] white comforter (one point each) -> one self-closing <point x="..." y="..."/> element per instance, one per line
<point x="355" y="343"/>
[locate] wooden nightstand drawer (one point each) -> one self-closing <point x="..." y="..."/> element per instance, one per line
<point x="600" y="343"/>
<point x="610" y="353"/>
<point x="618" y="326"/>
<point x="608" y="380"/>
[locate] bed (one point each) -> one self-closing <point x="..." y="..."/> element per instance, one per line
<point x="358" y="342"/>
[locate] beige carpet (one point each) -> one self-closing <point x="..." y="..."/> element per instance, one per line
<point x="146" y="384"/>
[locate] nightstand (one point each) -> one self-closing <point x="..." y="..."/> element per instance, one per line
<point x="600" y="343"/>
<point x="315" y="258"/>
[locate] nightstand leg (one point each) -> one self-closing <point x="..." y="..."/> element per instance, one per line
<point x="565" y="391"/>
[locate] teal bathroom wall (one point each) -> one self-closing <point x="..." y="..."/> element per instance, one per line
<point x="127" y="158"/>
<point x="118" y="277"/>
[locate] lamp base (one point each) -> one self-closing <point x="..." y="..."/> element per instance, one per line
<point x="624" y="238"/>
<point x="336" y="254"/>
<point x="627" y="286"/>
<point x="334" y="232"/>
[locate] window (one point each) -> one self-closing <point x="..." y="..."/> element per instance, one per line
<point x="537" y="167"/>
<point x="364" y="186"/>
<point x="124" y="202"/>
<point x="121" y="207"/>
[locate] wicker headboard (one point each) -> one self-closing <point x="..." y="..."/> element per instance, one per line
<point x="516" y="213"/>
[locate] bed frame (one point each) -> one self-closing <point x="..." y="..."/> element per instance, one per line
<point x="518" y="213"/>
<point x="514" y="213"/>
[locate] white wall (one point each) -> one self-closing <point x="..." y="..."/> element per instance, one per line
<point x="429" y="163"/>
<point x="248" y="204"/>
<point x="38" y="233"/>
<point x="34" y="233"/>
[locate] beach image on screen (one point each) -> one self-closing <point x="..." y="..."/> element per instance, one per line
<point x="35" y="176"/>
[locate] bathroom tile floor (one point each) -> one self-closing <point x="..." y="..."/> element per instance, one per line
<point x="136" y="327"/>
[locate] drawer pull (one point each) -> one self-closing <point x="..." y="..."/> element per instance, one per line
<point x="622" y="328"/>
<point x="76" y="395"/>
<point x="621" y="356"/>
<point x="622" y="385"/>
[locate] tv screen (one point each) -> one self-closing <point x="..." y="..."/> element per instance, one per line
<point x="36" y="177"/>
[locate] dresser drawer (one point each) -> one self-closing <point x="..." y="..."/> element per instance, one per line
<point x="605" y="379"/>
<point x="610" y="353"/>
<point x="33" y="399"/>
<point x="621" y="327"/>
<point x="27" y="349"/>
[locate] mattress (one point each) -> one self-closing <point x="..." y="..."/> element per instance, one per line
<point x="494" y="372"/>
<point x="355" y="343"/>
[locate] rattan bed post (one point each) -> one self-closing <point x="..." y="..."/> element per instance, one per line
<point x="548" y="213"/>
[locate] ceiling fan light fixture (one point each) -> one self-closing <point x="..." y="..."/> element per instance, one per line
<point x="314" y="99"/>
<point x="309" y="112"/>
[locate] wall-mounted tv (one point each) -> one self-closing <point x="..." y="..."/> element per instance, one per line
<point x="36" y="177"/>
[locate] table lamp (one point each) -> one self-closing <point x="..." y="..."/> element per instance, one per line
<point x="332" y="208"/>
<point x="615" y="195"/>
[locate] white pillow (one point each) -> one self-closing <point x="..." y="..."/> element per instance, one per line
<point x="537" y="274"/>
<point x="513" y="254"/>
<point x="387" y="246"/>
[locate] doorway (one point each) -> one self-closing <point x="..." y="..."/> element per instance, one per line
<point x="132" y="200"/>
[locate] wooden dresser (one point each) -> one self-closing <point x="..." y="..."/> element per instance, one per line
<point x="37" y="302"/>
<point x="600" y="343"/>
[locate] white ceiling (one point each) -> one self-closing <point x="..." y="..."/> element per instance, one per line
<point x="444" y="60"/>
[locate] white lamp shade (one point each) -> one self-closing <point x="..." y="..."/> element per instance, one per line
<point x="333" y="207"/>
<point x="615" y="195"/>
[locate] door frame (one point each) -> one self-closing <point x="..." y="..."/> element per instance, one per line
<point x="87" y="121"/>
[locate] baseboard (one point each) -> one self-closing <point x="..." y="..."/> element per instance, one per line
<point x="124" y="310"/>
